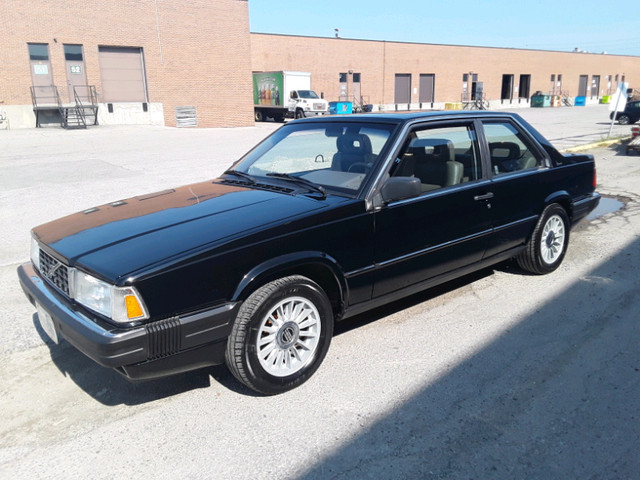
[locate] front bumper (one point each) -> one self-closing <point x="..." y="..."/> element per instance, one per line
<point x="155" y="349"/>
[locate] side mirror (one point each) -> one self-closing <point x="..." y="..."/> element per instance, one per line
<point x="294" y="94"/>
<point x="400" y="188"/>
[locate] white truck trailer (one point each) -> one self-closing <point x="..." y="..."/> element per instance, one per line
<point x="281" y="95"/>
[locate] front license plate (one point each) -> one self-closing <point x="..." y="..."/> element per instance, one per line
<point x="47" y="323"/>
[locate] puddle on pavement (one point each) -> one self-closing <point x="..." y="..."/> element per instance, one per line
<point x="606" y="205"/>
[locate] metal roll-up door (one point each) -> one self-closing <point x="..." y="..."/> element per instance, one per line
<point x="122" y="74"/>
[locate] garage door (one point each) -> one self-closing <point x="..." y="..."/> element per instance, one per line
<point x="122" y="74"/>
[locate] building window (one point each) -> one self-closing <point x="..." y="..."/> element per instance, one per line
<point x="38" y="51"/>
<point x="73" y="53"/>
<point x="343" y="78"/>
<point x="356" y="78"/>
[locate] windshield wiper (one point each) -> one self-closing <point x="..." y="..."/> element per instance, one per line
<point x="299" y="180"/>
<point x="240" y="174"/>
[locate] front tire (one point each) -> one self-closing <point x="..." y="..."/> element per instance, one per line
<point x="281" y="335"/>
<point x="299" y="114"/>
<point x="547" y="246"/>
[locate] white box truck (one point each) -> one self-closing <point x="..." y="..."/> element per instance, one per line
<point x="281" y="95"/>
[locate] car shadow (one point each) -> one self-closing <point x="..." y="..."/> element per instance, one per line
<point x="555" y="395"/>
<point x="110" y="388"/>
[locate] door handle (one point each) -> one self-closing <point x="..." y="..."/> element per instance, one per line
<point x="485" y="196"/>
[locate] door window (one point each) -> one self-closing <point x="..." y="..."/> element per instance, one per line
<point x="440" y="157"/>
<point x="509" y="149"/>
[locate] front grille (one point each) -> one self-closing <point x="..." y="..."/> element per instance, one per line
<point x="165" y="337"/>
<point x="55" y="272"/>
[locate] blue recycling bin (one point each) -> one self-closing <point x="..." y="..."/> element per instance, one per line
<point x="340" y="108"/>
<point x="580" y="101"/>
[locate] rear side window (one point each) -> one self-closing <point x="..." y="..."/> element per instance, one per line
<point x="510" y="150"/>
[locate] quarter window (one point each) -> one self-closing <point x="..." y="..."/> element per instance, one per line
<point x="440" y="157"/>
<point x="509" y="149"/>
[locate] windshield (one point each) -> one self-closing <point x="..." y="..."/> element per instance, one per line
<point x="338" y="156"/>
<point x="307" y="94"/>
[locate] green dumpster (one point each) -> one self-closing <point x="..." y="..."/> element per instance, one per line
<point x="540" y="100"/>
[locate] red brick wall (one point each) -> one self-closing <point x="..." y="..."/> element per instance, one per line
<point x="195" y="52"/>
<point x="378" y="62"/>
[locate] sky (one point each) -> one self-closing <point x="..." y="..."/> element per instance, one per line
<point x="561" y="25"/>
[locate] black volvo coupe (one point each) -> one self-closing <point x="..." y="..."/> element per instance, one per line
<point x="324" y="219"/>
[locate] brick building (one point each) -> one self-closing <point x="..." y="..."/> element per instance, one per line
<point x="407" y="75"/>
<point x="146" y="58"/>
<point x="189" y="63"/>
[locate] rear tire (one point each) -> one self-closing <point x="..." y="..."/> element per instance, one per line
<point x="548" y="244"/>
<point x="258" y="116"/>
<point x="624" y="119"/>
<point x="281" y="335"/>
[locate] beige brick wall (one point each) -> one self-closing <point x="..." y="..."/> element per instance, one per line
<point x="195" y="52"/>
<point x="378" y="62"/>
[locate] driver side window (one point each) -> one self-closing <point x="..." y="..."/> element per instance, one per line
<point x="440" y="156"/>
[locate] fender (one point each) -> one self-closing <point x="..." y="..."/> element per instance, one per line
<point x="289" y="262"/>
<point x="563" y="198"/>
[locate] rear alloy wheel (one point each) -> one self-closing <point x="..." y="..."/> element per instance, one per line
<point x="281" y="335"/>
<point x="546" y="249"/>
<point x="624" y="119"/>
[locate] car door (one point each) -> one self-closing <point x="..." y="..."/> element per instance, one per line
<point x="447" y="226"/>
<point x="519" y="182"/>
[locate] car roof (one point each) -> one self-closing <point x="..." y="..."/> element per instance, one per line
<point x="404" y="117"/>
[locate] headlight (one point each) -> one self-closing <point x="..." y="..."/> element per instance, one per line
<point x="35" y="253"/>
<point x="121" y="304"/>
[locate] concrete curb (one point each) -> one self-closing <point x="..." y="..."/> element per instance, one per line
<point x="603" y="143"/>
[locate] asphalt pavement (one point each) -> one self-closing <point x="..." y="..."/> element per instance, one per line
<point x="498" y="375"/>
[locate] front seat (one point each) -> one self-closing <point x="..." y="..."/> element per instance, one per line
<point x="438" y="168"/>
<point x="355" y="153"/>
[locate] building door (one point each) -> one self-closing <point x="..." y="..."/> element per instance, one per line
<point x="357" y="90"/>
<point x="427" y="87"/>
<point x="582" y="85"/>
<point x="41" y="75"/>
<point x="76" y="74"/>
<point x="122" y="73"/>
<point x="507" y="88"/>
<point x="595" y="86"/>
<point x="403" y="88"/>
<point x="524" y="89"/>
<point x="344" y="87"/>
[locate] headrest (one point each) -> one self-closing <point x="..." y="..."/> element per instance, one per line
<point x="359" y="144"/>
<point x="440" y="148"/>
<point x="504" y="150"/>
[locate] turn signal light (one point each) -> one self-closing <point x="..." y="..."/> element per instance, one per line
<point x="134" y="309"/>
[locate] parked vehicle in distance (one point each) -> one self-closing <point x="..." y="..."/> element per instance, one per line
<point x="630" y="114"/>
<point x="324" y="219"/>
<point x="281" y="95"/>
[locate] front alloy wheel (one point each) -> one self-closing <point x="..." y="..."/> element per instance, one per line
<point x="281" y="335"/>
<point x="288" y="337"/>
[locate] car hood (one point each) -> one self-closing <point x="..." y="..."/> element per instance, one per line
<point x="126" y="236"/>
